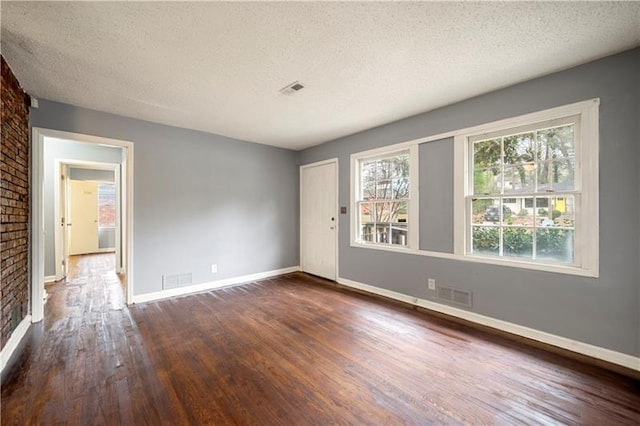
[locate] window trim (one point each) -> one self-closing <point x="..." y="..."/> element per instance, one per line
<point x="413" y="226"/>
<point x="586" y="248"/>
<point x="586" y="159"/>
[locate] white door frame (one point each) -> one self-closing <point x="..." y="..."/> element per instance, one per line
<point x="337" y="212"/>
<point x="60" y="235"/>
<point x="37" y="210"/>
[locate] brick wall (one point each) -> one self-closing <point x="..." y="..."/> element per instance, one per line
<point x="14" y="204"/>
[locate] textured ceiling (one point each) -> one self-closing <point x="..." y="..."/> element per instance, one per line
<point x="217" y="67"/>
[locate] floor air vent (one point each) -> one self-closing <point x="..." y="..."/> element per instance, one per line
<point x="455" y="296"/>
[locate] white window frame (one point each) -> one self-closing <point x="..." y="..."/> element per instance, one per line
<point x="586" y="246"/>
<point x="587" y="180"/>
<point x="413" y="220"/>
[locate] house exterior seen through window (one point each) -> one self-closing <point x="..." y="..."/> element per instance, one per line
<point x="530" y="190"/>
<point x="384" y="199"/>
<point x="106" y="205"/>
<point x="523" y="202"/>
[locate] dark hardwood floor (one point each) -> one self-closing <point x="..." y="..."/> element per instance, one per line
<point x="286" y="351"/>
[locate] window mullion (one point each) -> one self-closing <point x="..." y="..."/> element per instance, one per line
<point x="535" y="225"/>
<point x="501" y="204"/>
<point x="501" y="166"/>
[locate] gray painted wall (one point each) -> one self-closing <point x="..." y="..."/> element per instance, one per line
<point x="603" y="311"/>
<point x="436" y="195"/>
<point x="77" y="173"/>
<point x="199" y="198"/>
<point x="65" y="150"/>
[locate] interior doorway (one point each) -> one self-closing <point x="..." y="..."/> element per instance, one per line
<point x="82" y="221"/>
<point x="87" y="212"/>
<point x="52" y="236"/>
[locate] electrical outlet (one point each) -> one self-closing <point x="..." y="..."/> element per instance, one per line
<point x="214" y="268"/>
<point x="432" y="283"/>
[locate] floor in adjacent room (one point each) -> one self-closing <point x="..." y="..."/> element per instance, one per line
<point x="289" y="350"/>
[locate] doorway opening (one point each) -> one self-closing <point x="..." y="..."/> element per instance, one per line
<point x="99" y="171"/>
<point x="87" y="212"/>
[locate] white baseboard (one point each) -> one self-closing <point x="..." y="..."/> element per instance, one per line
<point x="608" y="355"/>
<point x="49" y="279"/>
<point x="14" y="341"/>
<point x="148" y="297"/>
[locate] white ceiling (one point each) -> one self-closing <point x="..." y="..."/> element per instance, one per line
<point x="217" y="67"/>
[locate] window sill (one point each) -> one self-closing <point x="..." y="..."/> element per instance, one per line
<point x="513" y="263"/>
<point x="385" y="247"/>
<point x="523" y="264"/>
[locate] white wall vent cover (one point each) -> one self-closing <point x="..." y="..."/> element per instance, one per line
<point x="292" y="88"/>
<point x="455" y="296"/>
<point x="185" y="279"/>
<point x="177" y="280"/>
<point x="169" y="281"/>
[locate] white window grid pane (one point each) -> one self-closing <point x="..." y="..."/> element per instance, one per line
<point x="501" y="225"/>
<point x="531" y="165"/>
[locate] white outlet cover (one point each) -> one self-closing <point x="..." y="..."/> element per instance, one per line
<point x="432" y="283"/>
<point x="214" y="269"/>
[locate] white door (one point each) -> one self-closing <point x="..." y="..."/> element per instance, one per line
<point x="83" y="218"/>
<point x="318" y="219"/>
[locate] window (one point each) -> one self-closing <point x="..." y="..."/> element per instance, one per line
<point x="385" y="198"/>
<point x="106" y="205"/>
<point x="531" y="189"/>
<point x="525" y="193"/>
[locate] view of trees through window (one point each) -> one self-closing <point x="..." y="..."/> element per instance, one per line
<point x="107" y="205"/>
<point x="384" y="195"/>
<point x="523" y="203"/>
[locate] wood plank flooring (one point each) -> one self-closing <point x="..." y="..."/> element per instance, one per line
<point x="286" y="351"/>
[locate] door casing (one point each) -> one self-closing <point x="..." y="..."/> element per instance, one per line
<point x="37" y="211"/>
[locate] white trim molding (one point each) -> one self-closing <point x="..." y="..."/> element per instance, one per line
<point x="50" y="279"/>
<point x="14" y="341"/>
<point x="582" y="348"/>
<point x="212" y="285"/>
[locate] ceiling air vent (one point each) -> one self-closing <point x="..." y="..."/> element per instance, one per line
<point x="292" y="88"/>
